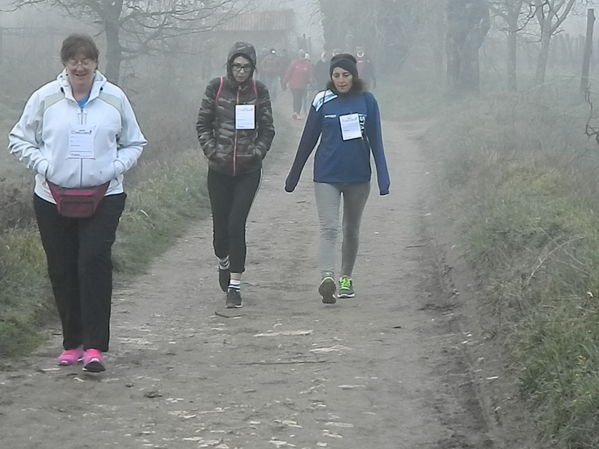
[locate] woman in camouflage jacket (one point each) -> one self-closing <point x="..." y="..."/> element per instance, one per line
<point x="235" y="129"/>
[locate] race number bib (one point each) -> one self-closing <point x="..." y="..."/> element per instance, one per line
<point x="350" y="126"/>
<point x="245" y="116"/>
<point x="81" y="142"/>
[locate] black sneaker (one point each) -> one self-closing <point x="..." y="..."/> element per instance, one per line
<point x="327" y="289"/>
<point x="224" y="276"/>
<point x="233" y="299"/>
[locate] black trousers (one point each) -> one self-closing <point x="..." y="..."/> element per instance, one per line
<point x="78" y="251"/>
<point x="231" y="199"/>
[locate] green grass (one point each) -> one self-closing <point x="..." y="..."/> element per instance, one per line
<point x="522" y="183"/>
<point x="25" y="298"/>
<point x="169" y="197"/>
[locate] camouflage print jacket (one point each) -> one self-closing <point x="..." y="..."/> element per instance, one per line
<point x="234" y="151"/>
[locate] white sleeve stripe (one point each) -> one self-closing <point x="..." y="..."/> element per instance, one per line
<point x="323" y="97"/>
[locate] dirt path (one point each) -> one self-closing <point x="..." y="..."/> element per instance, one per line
<point x="385" y="370"/>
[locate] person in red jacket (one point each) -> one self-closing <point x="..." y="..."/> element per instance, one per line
<point x="298" y="77"/>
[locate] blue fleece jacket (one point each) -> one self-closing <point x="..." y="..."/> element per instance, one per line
<point x="338" y="160"/>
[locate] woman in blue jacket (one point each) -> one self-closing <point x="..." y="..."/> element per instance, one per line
<point x="346" y="119"/>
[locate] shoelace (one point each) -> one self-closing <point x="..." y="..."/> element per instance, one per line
<point x="345" y="283"/>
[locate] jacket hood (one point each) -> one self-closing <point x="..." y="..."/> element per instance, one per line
<point x="241" y="49"/>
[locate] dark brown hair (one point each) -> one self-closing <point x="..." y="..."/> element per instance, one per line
<point x="78" y="43"/>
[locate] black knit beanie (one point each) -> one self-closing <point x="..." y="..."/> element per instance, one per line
<point x="346" y="62"/>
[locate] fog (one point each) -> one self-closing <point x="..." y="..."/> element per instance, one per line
<point x="452" y="47"/>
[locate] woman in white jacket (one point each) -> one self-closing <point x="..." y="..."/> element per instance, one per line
<point x="79" y="135"/>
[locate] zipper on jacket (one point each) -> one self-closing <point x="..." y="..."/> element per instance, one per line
<point x="82" y="121"/>
<point x="235" y="140"/>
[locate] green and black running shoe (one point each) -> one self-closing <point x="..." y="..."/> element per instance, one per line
<point x="346" y="288"/>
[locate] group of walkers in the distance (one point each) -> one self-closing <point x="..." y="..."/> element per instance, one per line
<point x="79" y="135"/>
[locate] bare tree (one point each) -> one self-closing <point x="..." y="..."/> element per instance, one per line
<point x="136" y="27"/>
<point x="588" y="50"/>
<point x="468" y="23"/>
<point x="516" y="14"/>
<point x="550" y="14"/>
<point x="388" y="28"/>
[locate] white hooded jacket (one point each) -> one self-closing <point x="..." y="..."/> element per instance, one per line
<point x="41" y="136"/>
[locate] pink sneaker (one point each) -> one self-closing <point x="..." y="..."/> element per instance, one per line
<point x="92" y="361"/>
<point x="70" y="357"/>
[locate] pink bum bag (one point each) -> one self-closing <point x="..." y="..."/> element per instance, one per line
<point x="77" y="203"/>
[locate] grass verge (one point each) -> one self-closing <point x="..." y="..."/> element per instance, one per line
<point x="521" y="183"/>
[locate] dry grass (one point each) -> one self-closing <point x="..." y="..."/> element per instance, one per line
<point x="521" y="176"/>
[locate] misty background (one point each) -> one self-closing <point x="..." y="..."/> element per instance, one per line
<point x="426" y="54"/>
<point x="162" y="53"/>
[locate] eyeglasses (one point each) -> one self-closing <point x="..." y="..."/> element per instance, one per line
<point x="86" y="63"/>
<point x="240" y="67"/>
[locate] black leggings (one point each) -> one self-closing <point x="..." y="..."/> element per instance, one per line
<point x="231" y="199"/>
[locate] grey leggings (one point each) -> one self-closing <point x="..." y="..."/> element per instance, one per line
<point x="328" y="199"/>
